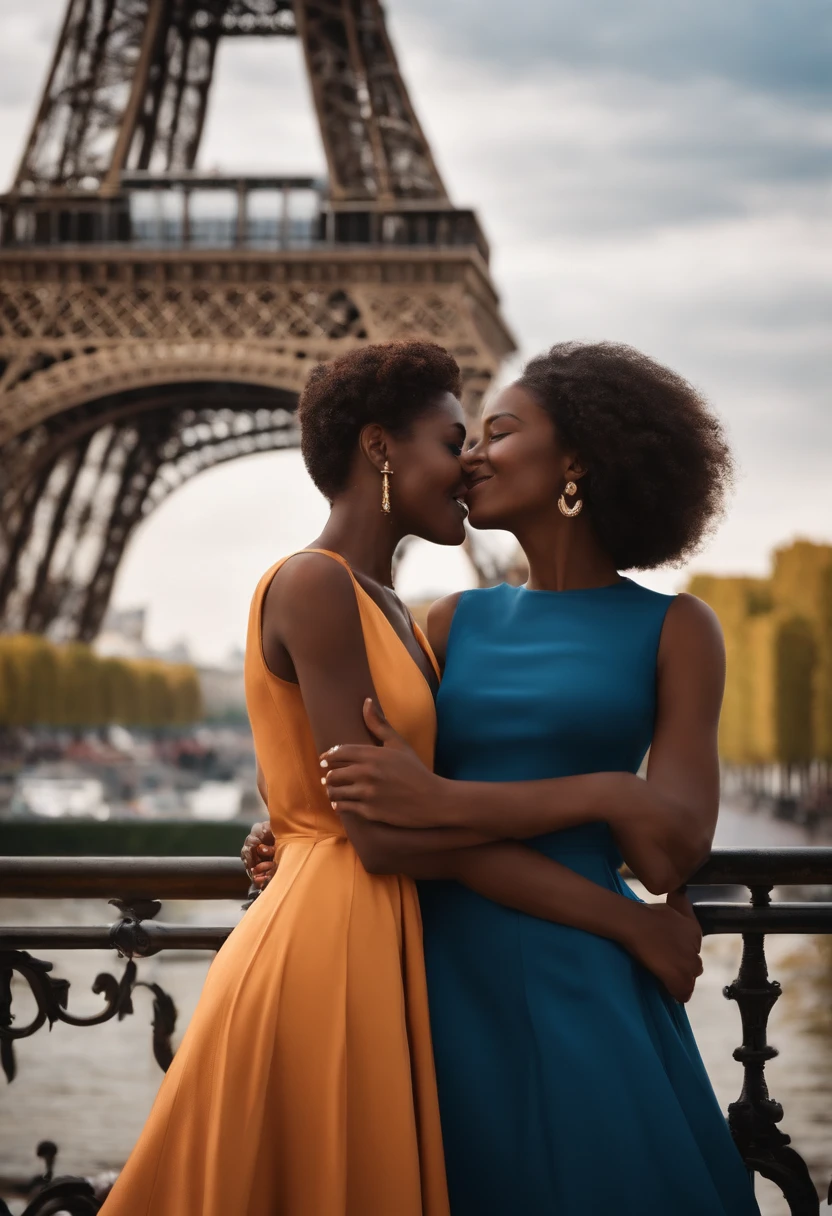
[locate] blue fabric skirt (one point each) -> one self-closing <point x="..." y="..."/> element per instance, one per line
<point x="569" y="1080"/>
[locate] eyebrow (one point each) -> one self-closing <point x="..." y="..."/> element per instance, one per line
<point x="459" y="427"/>
<point x="502" y="414"/>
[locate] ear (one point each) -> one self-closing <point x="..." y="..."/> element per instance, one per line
<point x="373" y="443"/>
<point x="576" y="469"/>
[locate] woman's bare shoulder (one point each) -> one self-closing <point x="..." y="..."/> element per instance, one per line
<point x="310" y="602"/>
<point x="690" y="621"/>
<point x="692" y="647"/>
<point x="308" y="572"/>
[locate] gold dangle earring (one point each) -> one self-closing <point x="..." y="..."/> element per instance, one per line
<point x="570" y="512"/>
<point x="386" y="474"/>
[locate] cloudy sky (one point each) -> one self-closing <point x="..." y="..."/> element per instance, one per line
<point x="656" y="172"/>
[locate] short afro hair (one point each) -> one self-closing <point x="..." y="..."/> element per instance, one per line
<point x="658" y="464"/>
<point x="390" y="384"/>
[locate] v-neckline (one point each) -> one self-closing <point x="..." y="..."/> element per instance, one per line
<point x="421" y="640"/>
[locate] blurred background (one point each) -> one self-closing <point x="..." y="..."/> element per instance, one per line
<point x="657" y="174"/>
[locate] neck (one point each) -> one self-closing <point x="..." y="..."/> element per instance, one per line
<point x="564" y="554"/>
<point x="363" y="536"/>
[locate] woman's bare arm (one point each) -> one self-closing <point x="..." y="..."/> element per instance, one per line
<point x="326" y="648"/>
<point x="664" y="825"/>
<point x="311" y="619"/>
<point x="665" y="938"/>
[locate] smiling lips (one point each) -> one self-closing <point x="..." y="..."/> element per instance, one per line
<point x="477" y="481"/>
<point x="460" y="499"/>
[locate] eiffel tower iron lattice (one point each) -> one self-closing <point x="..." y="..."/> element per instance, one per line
<point x="148" y="330"/>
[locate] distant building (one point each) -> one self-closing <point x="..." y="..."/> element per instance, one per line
<point x="223" y="691"/>
<point x="223" y="694"/>
<point x="122" y="634"/>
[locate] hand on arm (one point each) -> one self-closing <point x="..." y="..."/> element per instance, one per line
<point x="664" y="825"/>
<point x="353" y="789"/>
<point x="356" y="774"/>
<point x="665" y="938"/>
<point x="372" y="841"/>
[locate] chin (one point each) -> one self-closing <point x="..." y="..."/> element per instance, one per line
<point x="482" y="519"/>
<point x="453" y="534"/>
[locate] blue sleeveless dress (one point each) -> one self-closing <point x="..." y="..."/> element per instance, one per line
<point x="569" y="1080"/>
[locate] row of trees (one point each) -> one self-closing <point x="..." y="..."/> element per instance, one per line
<point x="778" y="637"/>
<point x="43" y="684"/>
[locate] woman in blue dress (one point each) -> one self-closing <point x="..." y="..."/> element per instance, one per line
<point x="569" y="1079"/>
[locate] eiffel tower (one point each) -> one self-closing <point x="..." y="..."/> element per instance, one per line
<point x="156" y="320"/>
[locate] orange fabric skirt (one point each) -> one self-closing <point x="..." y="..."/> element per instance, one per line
<point x="304" y="1084"/>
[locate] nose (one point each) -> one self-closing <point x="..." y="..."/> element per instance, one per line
<point x="472" y="456"/>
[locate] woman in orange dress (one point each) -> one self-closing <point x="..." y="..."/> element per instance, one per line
<point x="304" y="1084"/>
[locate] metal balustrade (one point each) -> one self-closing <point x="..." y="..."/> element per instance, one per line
<point x="136" y="887"/>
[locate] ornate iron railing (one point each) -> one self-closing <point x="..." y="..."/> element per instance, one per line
<point x="135" y="886"/>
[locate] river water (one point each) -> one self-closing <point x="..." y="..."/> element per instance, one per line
<point x="90" y="1090"/>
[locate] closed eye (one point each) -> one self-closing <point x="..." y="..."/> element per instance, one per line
<point x="499" y="435"/>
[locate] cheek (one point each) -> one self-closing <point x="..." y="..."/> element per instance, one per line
<point x="526" y="469"/>
<point x="423" y="486"/>
<point x="442" y="473"/>
<point x="541" y="481"/>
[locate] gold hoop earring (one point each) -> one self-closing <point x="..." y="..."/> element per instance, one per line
<point x="570" y="512"/>
<point x="386" y="474"/>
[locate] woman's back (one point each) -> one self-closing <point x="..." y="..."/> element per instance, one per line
<point x="305" y="1081"/>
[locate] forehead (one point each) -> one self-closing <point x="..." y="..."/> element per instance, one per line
<point x="446" y="409"/>
<point x="513" y="400"/>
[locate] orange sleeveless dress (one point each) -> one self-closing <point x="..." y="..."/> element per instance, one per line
<point x="304" y="1084"/>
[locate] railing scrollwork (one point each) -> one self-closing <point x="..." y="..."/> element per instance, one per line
<point x="51" y="994"/>
<point x="61" y="1196"/>
<point x="754" y="1118"/>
